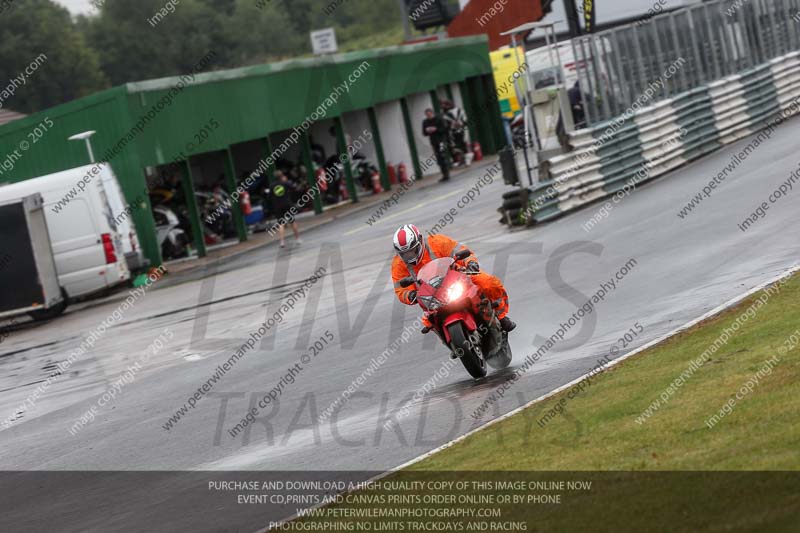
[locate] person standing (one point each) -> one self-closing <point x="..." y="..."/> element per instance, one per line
<point x="282" y="205"/>
<point x="435" y="127"/>
<point x="456" y="124"/>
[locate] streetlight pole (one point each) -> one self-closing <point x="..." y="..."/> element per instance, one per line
<point x="86" y="137"/>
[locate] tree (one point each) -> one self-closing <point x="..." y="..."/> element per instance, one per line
<point x="135" y="45"/>
<point x="127" y="41"/>
<point x="357" y="19"/>
<point x="263" y="35"/>
<point x="226" y="7"/>
<point x="300" y="13"/>
<point x="67" y="68"/>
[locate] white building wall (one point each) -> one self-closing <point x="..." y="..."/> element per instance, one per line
<point x="393" y="134"/>
<point x="359" y="132"/>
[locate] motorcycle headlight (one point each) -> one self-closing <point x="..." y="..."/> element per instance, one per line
<point x="455" y="292"/>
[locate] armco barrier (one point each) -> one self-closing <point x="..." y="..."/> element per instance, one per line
<point x="652" y="141"/>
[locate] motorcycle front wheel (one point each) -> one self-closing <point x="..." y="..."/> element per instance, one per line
<point x="471" y="355"/>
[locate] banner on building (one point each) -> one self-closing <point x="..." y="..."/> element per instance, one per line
<point x="588" y="15"/>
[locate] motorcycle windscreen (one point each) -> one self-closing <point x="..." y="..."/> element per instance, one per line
<point x="434" y="272"/>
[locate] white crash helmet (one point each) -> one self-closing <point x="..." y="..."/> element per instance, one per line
<point x="408" y="244"/>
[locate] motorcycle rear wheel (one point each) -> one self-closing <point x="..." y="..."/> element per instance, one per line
<point x="472" y="358"/>
<point x="503" y="357"/>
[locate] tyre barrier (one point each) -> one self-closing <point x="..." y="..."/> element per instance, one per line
<point x="644" y="144"/>
<point x="513" y="210"/>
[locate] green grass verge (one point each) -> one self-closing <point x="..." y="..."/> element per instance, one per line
<point x="670" y="472"/>
<point x="600" y="429"/>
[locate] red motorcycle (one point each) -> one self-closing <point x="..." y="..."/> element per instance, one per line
<point x="462" y="317"/>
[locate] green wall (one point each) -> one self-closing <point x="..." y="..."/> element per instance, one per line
<point x="252" y="102"/>
<point x="106" y="113"/>
<point x="247" y="103"/>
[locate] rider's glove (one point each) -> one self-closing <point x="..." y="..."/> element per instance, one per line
<point x="412" y="297"/>
<point x="473" y="267"/>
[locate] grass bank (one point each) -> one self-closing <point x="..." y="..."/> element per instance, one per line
<point x="699" y="433"/>
<point x="607" y="427"/>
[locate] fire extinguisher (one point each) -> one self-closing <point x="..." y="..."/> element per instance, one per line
<point x="322" y="183"/>
<point x="392" y="174"/>
<point x="376" y="183"/>
<point x="477" y="150"/>
<point x="402" y="173"/>
<point x="247" y="207"/>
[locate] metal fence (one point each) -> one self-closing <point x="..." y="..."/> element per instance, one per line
<point x="671" y="53"/>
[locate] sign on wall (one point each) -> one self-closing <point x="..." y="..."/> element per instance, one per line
<point x="324" y="41"/>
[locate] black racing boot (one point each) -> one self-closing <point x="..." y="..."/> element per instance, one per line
<point x="507" y="324"/>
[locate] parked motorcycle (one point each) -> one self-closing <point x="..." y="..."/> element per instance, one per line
<point x="216" y="215"/>
<point x="172" y="239"/>
<point x="462" y="317"/>
<point x="361" y="170"/>
<point x="518" y="134"/>
<point x="171" y="226"/>
<point x="173" y="222"/>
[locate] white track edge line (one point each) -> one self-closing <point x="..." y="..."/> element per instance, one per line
<point x="717" y="310"/>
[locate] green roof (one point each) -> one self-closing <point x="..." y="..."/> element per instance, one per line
<point x="266" y="69"/>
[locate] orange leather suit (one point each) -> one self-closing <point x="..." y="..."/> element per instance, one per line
<point x="436" y="247"/>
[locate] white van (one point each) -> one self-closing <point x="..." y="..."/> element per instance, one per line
<point x="545" y="73"/>
<point x="89" y="246"/>
<point x="134" y="256"/>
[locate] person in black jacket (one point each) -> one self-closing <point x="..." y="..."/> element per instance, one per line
<point x="435" y="127"/>
<point x="282" y="204"/>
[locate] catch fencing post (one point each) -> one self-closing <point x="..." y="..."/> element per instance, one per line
<point x="693" y="31"/>
<point x="683" y="85"/>
<point x="712" y="44"/>
<point x="581" y="68"/>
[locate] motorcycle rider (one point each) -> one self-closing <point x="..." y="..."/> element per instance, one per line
<point x="415" y="251"/>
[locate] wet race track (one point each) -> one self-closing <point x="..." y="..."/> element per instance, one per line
<point x="652" y="270"/>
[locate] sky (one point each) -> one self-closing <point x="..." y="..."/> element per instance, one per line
<point x="77" y="7"/>
<point x="607" y="10"/>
